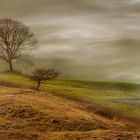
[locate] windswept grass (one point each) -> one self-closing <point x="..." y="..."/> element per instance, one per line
<point x="105" y="111"/>
<point x="15" y="78"/>
<point x="122" y="97"/>
<point x="32" y="115"/>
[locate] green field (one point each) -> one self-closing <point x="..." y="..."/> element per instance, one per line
<point x="123" y="97"/>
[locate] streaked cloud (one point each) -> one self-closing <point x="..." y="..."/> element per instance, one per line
<point x="98" y="37"/>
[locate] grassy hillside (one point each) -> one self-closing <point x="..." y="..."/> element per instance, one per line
<point x="122" y="97"/>
<point x="26" y="114"/>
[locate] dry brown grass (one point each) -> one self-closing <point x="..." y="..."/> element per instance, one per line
<point x="131" y="123"/>
<point x="93" y="135"/>
<point x="28" y="114"/>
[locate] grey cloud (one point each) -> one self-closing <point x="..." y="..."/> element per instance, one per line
<point x="85" y="39"/>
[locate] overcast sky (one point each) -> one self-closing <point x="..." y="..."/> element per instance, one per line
<point x="90" y="39"/>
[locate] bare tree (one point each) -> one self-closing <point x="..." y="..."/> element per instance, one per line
<point x="41" y="75"/>
<point x="15" y="38"/>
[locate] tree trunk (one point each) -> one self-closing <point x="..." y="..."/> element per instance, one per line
<point x="38" y="85"/>
<point x="11" y="66"/>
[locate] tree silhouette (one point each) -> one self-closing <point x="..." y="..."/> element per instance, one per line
<point x="41" y="75"/>
<point x="15" y="38"/>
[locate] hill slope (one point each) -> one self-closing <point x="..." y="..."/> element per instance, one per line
<point x="29" y="115"/>
<point x="121" y="97"/>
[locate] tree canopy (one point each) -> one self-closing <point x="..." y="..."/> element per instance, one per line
<point x="15" y="38"/>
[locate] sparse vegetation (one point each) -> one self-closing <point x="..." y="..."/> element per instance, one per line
<point x="41" y="75"/>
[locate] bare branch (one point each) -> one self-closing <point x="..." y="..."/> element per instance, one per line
<point x="14" y="38"/>
<point x="41" y="75"/>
